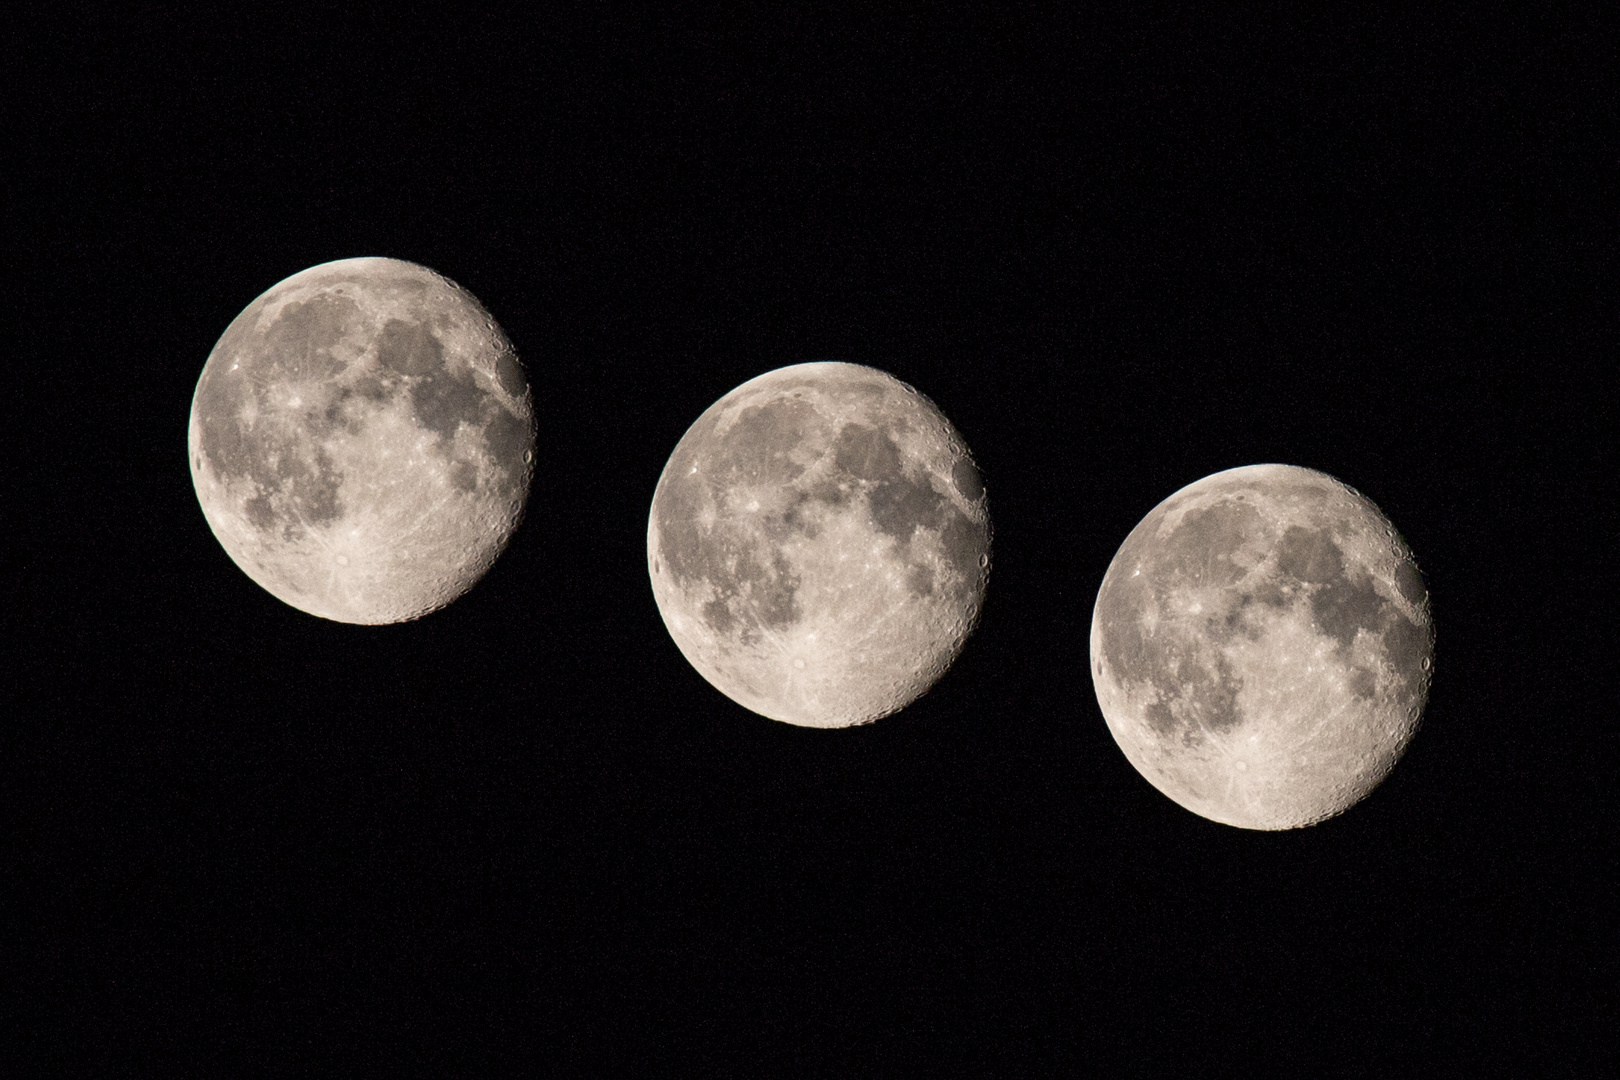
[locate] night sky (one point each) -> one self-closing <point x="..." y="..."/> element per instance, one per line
<point x="522" y="835"/>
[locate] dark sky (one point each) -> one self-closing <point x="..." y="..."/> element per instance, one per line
<point x="522" y="835"/>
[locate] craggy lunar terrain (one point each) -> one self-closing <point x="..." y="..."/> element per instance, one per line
<point x="362" y="440"/>
<point x="1261" y="647"/>
<point x="819" y="544"/>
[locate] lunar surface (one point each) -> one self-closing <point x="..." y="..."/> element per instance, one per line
<point x="362" y="440"/>
<point x="819" y="544"/>
<point x="1261" y="647"/>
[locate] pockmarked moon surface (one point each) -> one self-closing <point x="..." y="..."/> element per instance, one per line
<point x="819" y="544"/>
<point x="362" y="440"/>
<point x="1262" y="647"/>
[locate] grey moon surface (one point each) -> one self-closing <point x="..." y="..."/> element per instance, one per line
<point x="362" y="440"/>
<point x="1262" y="647"/>
<point x="819" y="544"/>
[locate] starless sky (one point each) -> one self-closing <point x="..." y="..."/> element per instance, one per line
<point x="1120" y="253"/>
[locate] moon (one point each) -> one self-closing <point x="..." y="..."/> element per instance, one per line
<point x="1262" y="647"/>
<point x="362" y="441"/>
<point x="819" y="544"/>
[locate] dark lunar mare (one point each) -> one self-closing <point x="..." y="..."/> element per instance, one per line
<point x="758" y="447"/>
<point x="295" y="346"/>
<point x="1208" y="691"/>
<point x="900" y="504"/>
<point x="298" y="346"/>
<point x="1200" y="550"/>
<point x="755" y="588"/>
<point x="1309" y="555"/>
<point x="1406" y="646"/>
<point x="965" y="475"/>
<point x="410" y="349"/>
<point x="1343" y="600"/>
<point x="1409" y="581"/>
<point x="1199" y="553"/>
<point x="443" y="399"/>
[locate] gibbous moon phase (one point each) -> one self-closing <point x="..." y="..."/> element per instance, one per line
<point x="362" y="440"/>
<point x="1261" y="647"/>
<point x="819" y="544"/>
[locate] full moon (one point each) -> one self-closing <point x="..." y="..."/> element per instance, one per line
<point x="819" y="544"/>
<point x="1261" y="647"/>
<point x="362" y="440"/>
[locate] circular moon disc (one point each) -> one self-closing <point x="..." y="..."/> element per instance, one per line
<point x="362" y="440"/>
<point x="819" y="544"/>
<point x="1261" y="647"/>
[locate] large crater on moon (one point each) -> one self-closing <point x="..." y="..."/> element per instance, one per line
<point x="1261" y="647"/>
<point x="362" y="440"/>
<point x="819" y="544"/>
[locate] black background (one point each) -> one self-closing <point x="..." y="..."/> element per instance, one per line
<point x="522" y="835"/>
